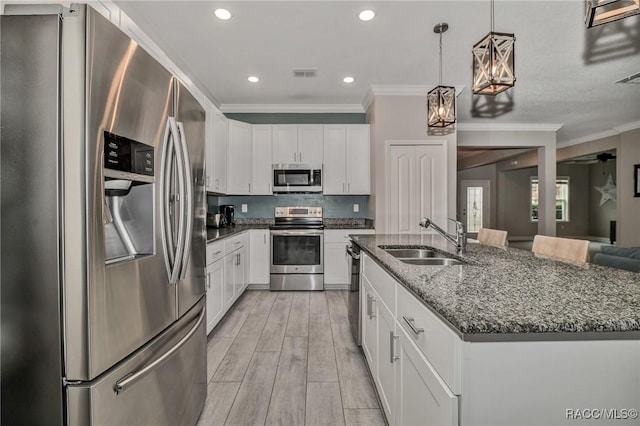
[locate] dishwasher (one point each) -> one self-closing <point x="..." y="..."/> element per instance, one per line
<point x="353" y="251"/>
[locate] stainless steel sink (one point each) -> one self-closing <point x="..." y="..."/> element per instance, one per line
<point x="413" y="253"/>
<point x="422" y="256"/>
<point x="434" y="261"/>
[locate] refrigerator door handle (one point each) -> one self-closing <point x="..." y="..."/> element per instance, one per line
<point x="188" y="202"/>
<point x="122" y="384"/>
<point x="173" y="256"/>
<point x="177" y="147"/>
<point x="165" y="194"/>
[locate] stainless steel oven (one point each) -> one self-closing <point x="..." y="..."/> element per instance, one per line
<point x="297" y="178"/>
<point x="297" y="241"/>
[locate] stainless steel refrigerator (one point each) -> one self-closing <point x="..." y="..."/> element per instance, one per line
<point x="102" y="229"/>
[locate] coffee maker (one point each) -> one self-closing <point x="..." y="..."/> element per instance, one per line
<point x="228" y="212"/>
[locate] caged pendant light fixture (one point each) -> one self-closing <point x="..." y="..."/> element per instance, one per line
<point x="600" y="12"/>
<point x="441" y="100"/>
<point x="493" y="62"/>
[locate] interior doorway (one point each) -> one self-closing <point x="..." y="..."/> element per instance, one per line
<point x="475" y="205"/>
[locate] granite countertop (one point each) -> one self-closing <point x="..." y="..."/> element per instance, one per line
<point x="510" y="294"/>
<point x="242" y="225"/>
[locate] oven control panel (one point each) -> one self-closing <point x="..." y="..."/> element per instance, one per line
<point x="298" y="212"/>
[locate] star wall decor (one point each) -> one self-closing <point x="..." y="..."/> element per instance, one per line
<point x="608" y="191"/>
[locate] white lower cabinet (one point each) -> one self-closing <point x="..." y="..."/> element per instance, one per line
<point x="337" y="264"/>
<point x="226" y="275"/>
<point x="411" y="391"/>
<point x="422" y="398"/>
<point x="215" y="305"/>
<point x="259" y="256"/>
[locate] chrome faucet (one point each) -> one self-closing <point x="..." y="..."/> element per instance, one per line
<point x="459" y="240"/>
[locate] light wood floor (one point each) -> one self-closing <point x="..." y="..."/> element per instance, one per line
<point x="288" y="358"/>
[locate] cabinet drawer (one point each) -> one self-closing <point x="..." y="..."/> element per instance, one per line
<point x="235" y="242"/>
<point x="381" y="281"/>
<point x="438" y="343"/>
<point x="215" y="251"/>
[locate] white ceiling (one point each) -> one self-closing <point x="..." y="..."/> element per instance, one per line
<point x="565" y="73"/>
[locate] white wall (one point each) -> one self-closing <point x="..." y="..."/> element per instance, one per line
<point x="402" y="118"/>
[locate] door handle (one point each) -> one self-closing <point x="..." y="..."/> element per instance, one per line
<point x="294" y="156"/>
<point x="249" y="188"/>
<point x="409" y="321"/>
<point x="122" y="384"/>
<point x="300" y="157"/>
<point x="392" y="347"/>
<point x="348" y="187"/>
<point x="188" y="202"/>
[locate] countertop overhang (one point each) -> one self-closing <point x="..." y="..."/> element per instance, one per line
<point x="512" y="295"/>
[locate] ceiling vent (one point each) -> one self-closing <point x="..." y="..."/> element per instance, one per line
<point x="305" y="73"/>
<point x="632" y="79"/>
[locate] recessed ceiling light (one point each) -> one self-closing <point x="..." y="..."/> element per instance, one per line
<point x="253" y="79"/>
<point x="223" y="14"/>
<point x="367" y="15"/>
<point x="348" y="79"/>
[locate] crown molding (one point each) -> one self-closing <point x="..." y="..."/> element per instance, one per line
<point x="504" y="127"/>
<point x="627" y="127"/>
<point x="601" y="135"/>
<point x="292" y="108"/>
<point x="368" y="99"/>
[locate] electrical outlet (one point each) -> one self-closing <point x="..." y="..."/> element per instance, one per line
<point x="244" y="208"/>
<point x="356" y="208"/>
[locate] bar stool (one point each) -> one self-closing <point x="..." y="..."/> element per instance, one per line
<point x="562" y="249"/>
<point x="492" y="237"/>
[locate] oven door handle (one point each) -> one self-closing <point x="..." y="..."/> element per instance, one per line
<point x="301" y="232"/>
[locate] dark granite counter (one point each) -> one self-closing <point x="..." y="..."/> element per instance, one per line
<point x="348" y="223"/>
<point x="246" y="225"/>
<point x="513" y="295"/>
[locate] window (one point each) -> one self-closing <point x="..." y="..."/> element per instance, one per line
<point x="474" y="208"/>
<point x="562" y="199"/>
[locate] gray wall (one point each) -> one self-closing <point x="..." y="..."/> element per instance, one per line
<point x="514" y="201"/>
<point x="600" y="216"/>
<point x="296" y="118"/>
<point x="261" y="206"/>
<point x="488" y="172"/>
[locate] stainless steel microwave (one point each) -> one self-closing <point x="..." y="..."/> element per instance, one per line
<point x="297" y="178"/>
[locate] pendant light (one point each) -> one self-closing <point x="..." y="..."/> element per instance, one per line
<point x="603" y="11"/>
<point x="493" y="62"/>
<point x="441" y="101"/>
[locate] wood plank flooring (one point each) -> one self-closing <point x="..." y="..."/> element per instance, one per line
<point x="288" y="358"/>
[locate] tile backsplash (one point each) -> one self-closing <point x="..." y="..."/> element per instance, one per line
<point x="262" y="206"/>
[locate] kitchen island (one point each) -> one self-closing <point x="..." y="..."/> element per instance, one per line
<point x="504" y="339"/>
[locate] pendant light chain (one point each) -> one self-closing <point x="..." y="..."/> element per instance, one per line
<point x="440" y="75"/>
<point x="492" y="16"/>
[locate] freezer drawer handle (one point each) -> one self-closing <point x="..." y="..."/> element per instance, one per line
<point x="128" y="380"/>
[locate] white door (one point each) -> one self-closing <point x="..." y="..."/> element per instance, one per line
<point x="259" y="256"/>
<point x="240" y="159"/>
<point x="220" y="145"/>
<point x="215" y="304"/>
<point x="285" y="144"/>
<point x="310" y="141"/>
<point x="358" y="162"/>
<point x="335" y="164"/>
<point x="417" y="179"/>
<point x="261" y="165"/>
<point x="474" y="205"/>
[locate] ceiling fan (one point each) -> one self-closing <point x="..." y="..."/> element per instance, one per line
<point x="605" y="156"/>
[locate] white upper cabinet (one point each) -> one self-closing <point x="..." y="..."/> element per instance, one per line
<point x="261" y="166"/>
<point x="209" y="156"/>
<point x="310" y="143"/>
<point x="297" y="143"/>
<point x="218" y="179"/>
<point x="346" y="168"/>
<point x="239" y="171"/>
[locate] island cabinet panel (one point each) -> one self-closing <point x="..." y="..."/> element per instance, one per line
<point x="422" y="398"/>
<point x="545" y="383"/>
<point x="436" y="341"/>
<point x="369" y="325"/>
<point x="387" y="360"/>
<point x="381" y="281"/>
